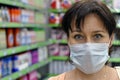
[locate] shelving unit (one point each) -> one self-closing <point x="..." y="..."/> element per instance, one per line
<point x="63" y="41"/>
<point x="116" y="60"/>
<point x="63" y="58"/>
<point x="27" y="70"/>
<point x="54" y="25"/>
<point x="18" y="4"/>
<point x="19" y="49"/>
<point x="57" y="10"/>
<point x="15" y="50"/>
<point x="116" y="43"/>
<point x="20" y="25"/>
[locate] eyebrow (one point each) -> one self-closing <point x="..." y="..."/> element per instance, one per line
<point x="97" y="31"/>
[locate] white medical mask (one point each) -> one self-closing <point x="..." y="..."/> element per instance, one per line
<point x="89" y="57"/>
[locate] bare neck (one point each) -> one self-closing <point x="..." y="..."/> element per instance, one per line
<point x="93" y="76"/>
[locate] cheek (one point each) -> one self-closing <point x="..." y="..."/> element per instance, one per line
<point x="71" y="40"/>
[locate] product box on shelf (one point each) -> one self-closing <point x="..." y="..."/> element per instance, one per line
<point x="60" y="4"/>
<point x="32" y="75"/>
<point x="34" y="56"/>
<point x="16" y="32"/>
<point x="40" y="35"/>
<point x="56" y="67"/>
<point x="25" y="77"/>
<point x="116" y="4"/>
<point x="42" y="53"/>
<point x="23" y="36"/>
<point x="15" y="14"/>
<point x="45" y="52"/>
<point x="10" y="37"/>
<point x="56" y="33"/>
<point x="115" y="53"/>
<point x="32" y="36"/>
<point x="6" y="66"/>
<point x="54" y="18"/>
<point x="27" y="16"/>
<point x="53" y="49"/>
<point x="65" y="4"/>
<point x="40" y="18"/>
<point x="41" y="4"/>
<point x="64" y="50"/>
<point x="3" y="43"/>
<point x="55" y="4"/>
<point x="5" y="16"/>
<point x="21" y="61"/>
<point x="9" y="65"/>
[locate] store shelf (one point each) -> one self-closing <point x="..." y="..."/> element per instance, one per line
<point x="58" y="10"/>
<point x="19" y="49"/>
<point x="63" y="58"/>
<point x="50" y="75"/>
<point x="116" y="60"/>
<point x="54" y="25"/>
<point x="27" y="70"/>
<point x="116" y="43"/>
<point x="63" y="41"/>
<point x="19" y="25"/>
<point x="18" y="4"/>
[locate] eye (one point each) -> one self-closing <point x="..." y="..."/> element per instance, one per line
<point x="98" y="36"/>
<point x="78" y="37"/>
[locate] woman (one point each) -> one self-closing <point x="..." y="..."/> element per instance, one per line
<point x="90" y="27"/>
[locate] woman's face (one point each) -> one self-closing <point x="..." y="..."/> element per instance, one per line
<point x="92" y="31"/>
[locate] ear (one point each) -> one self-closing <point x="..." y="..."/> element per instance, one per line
<point x="112" y="38"/>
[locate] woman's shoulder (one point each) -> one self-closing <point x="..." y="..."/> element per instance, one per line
<point x="59" y="77"/>
<point x="118" y="71"/>
<point x="62" y="76"/>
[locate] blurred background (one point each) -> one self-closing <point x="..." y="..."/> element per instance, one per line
<point x="32" y="43"/>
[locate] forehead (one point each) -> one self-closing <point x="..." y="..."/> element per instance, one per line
<point x="91" y="22"/>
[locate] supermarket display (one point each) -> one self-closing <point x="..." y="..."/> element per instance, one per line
<point x="6" y="66"/>
<point x="58" y="50"/>
<point x="21" y="61"/>
<point x="30" y="76"/>
<point x="12" y="37"/>
<point x="61" y="4"/>
<point x="58" y="67"/>
<point x="57" y="34"/>
<point x="34" y="55"/>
